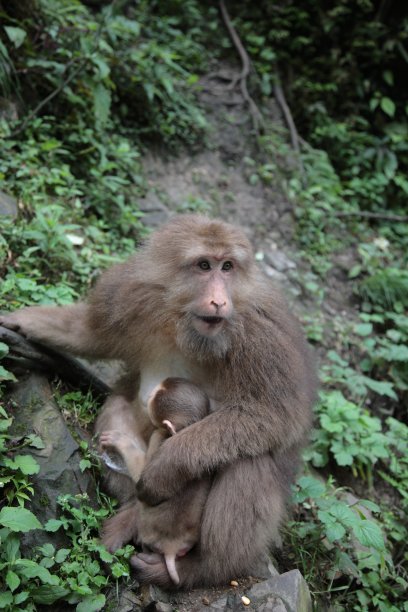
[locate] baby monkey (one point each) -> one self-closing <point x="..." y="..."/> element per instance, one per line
<point x="173" y="527"/>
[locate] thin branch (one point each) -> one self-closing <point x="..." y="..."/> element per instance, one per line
<point x="246" y="67"/>
<point x="294" y="136"/>
<point x="31" y="355"/>
<point x="373" y="215"/>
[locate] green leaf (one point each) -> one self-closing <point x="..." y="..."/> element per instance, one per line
<point x="53" y="525"/>
<point x="6" y="599"/>
<point x="343" y="513"/>
<point x="16" y="35"/>
<point x="388" y="77"/>
<point x="105" y="555"/>
<point x="31" y="569"/>
<point x="395" y="352"/>
<point x="92" y="603"/>
<point x="4" y="349"/>
<point x="119" y="570"/>
<point x="48" y="550"/>
<point x="6" y="375"/>
<point x="310" y="487"/>
<point x="369" y="534"/>
<point x="363" y="329"/>
<point x="330" y="425"/>
<point x="19" y="519"/>
<point x="380" y="387"/>
<point x="102" y="104"/>
<point x="48" y="594"/>
<point x="355" y="271"/>
<point x="20" y="597"/>
<point x="26" y="463"/>
<point x="84" y="464"/>
<point x="343" y="458"/>
<point x="62" y="554"/>
<point x="388" y="106"/>
<point x="5" y="423"/>
<point x="12" y="580"/>
<point x="334" y="529"/>
<point x="12" y="547"/>
<point x="35" y="441"/>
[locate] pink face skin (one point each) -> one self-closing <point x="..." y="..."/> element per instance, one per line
<point x="213" y="305"/>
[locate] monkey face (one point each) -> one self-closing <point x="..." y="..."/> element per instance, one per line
<point x="213" y="305"/>
<point x="210" y="264"/>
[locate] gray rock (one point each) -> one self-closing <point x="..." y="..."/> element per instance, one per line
<point x="8" y="205"/>
<point x="128" y="602"/>
<point x="163" y="607"/>
<point x="37" y="412"/>
<point x="289" y="589"/>
<point x="273" y="273"/>
<point x="280" y="261"/>
<point x="219" y="604"/>
<point x="155" y="212"/>
<point x="151" y="597"/>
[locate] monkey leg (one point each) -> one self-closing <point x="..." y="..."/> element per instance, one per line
<point x="128" y="448"/>
<point x="120" y="416"/>
<point x="122" y="527"/>
<point x="241" y="518"/>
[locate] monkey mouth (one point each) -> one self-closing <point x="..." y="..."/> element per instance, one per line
<point x="212" y="320"/>
<point x="208" y="326"/>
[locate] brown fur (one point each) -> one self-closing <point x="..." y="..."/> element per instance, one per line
<point x="173" y="527"/>
<point x="152" y="312"/>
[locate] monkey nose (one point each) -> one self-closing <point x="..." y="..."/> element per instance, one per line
<point x="218" y="306"/>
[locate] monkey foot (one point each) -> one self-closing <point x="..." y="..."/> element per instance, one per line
<point x="150" y="568"/>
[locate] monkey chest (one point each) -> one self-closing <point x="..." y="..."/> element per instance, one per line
<point x="152" y="374"/>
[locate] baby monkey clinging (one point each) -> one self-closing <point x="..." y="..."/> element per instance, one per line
<point x="173" y="527"/>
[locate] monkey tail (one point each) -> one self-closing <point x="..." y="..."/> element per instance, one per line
<point x="171" y="567"/>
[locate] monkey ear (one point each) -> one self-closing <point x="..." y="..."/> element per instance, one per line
<point x="169" y="426"/>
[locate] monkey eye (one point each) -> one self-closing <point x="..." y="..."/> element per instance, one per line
<point x="204" y="265"/>
<point x="227" y="265"/>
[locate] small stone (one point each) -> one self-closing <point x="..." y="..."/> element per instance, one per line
<point x="234" y="583"/>
<point x="206" y="601"/>
<point x="161" y="606"/>
<point x="279" y="261"/>
<point x="245" y="600"/>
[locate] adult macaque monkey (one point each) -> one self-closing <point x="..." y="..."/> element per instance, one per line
<point x="192" y="303"/>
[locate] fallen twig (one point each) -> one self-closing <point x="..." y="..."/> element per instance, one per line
<point x="246" y="67"/>
<point x="31" y="355"/>
<point x="294" y="136"/>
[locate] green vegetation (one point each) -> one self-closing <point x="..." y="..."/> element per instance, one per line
<point x="86" y="88"/>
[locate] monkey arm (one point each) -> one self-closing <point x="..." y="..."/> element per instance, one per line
<point x="156" y="440"/>
<point x="61" y="327"/>
<point x="218" y="440"/>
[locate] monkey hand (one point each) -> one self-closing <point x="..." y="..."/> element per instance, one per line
<point x="23" y="321"/>
<point x="11" y="320"/>
<point x="162" y="478"/>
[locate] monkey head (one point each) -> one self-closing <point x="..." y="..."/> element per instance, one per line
<point x="213" y="276"/>
<point x="176" y="403"/>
